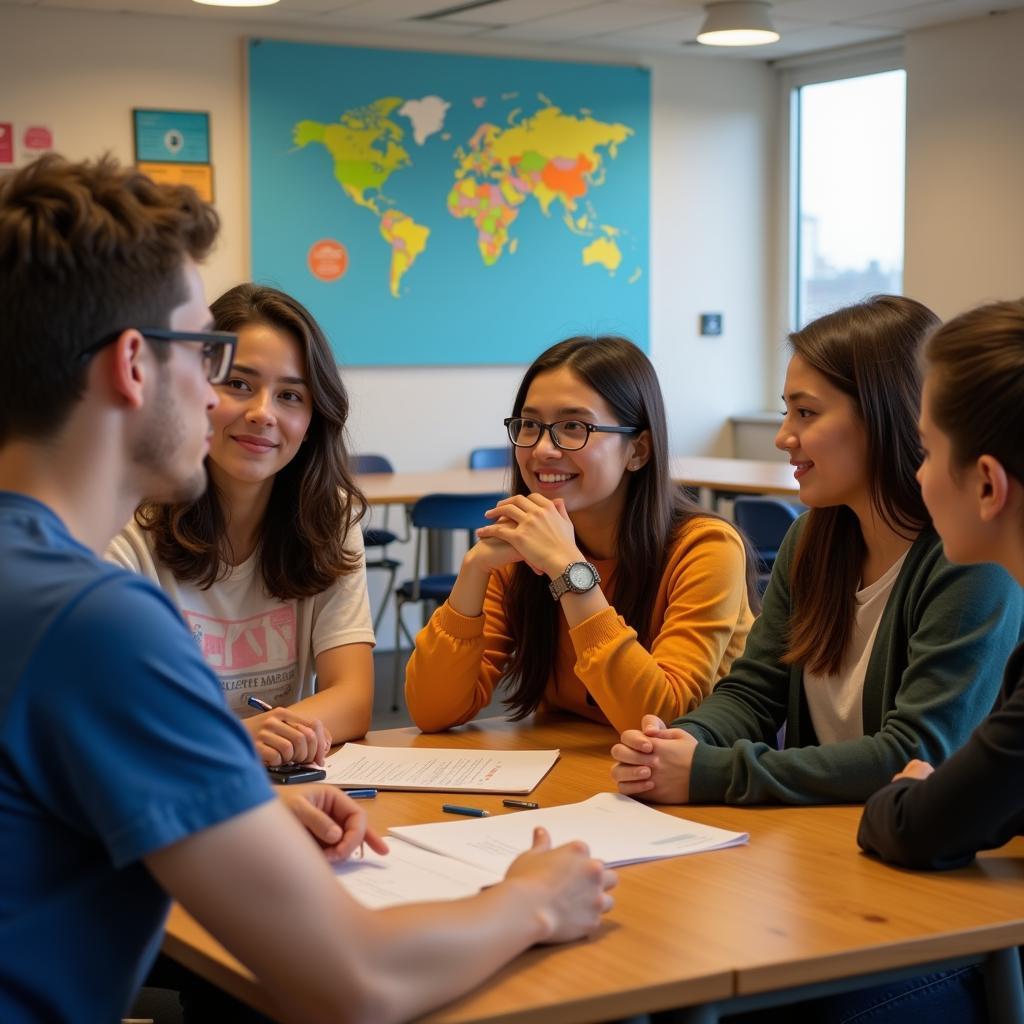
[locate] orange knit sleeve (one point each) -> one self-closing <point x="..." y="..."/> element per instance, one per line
<point x="704" y="619"/>
<point x="457" y="661"/>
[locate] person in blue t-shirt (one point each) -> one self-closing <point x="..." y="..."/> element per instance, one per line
<point x="124" y="779"/>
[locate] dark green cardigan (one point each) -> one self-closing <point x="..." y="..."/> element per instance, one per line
<point x="932" y="676"/>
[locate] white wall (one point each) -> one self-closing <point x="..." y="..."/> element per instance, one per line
<point x="965" y="163"/>
<point x="712" y="126"/>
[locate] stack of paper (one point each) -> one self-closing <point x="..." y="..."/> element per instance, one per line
<point x="357" y="765"/>
<point x="451" y="859"/>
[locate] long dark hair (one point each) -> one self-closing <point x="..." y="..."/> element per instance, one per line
<point x="977" y="385"/>
<point x="871" y="352"/>
<point x="624" y="377"/>
<point x="313" y="500"/>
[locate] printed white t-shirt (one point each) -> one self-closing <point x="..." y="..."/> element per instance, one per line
<point x="836" y="702"/>
<point x="256" y="644"/>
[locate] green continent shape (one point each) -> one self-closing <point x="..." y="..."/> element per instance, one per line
<point x="365" y="145"/>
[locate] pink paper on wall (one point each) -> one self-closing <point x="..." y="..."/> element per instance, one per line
<point x="6" y="143"/>
<point x="38" y="138"/>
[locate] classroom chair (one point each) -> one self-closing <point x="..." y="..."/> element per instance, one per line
<point x="765" y="521"/>
<point x="491" y="458"/>
<point x="444" y="512"/>
<point x="377" y="539"/>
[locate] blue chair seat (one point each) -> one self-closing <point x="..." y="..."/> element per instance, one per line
<point x="444" y="512"/>
<point x="491" y="458"/>
<point x="765" y="521"/>
<point x="432" y="588"/>
<point x="378" y="538"/>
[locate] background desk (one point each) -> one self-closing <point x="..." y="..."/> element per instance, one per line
<point x="799" y="906"/>
<point x="714" y="476"/>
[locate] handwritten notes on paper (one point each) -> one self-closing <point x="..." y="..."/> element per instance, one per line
<point x="442" y="770"/>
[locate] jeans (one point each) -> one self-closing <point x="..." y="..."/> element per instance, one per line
<point x="955" y="996"/>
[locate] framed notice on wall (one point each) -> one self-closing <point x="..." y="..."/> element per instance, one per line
<point x="173" y="147"/>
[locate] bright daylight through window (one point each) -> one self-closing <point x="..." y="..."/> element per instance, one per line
<point x="849" y="191"/>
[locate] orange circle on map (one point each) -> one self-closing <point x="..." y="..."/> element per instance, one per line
<point x="327" y="260"/>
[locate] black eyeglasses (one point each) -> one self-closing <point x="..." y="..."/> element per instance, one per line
<point x="218" y="347"/>
<point x="569" y="435"/>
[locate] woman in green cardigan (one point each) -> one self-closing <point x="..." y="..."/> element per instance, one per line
<point x="872" y="649"/>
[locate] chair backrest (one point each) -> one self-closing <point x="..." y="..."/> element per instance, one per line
<point x="371" y="464"/>
<point x="765" y="521"/>
<point x="491" y="458"/>
<point x="453" y="511"/>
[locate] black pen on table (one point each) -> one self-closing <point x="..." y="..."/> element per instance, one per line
<point x="523" y="805"/>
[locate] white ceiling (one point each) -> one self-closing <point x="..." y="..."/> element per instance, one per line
<point x="625" y="26"/>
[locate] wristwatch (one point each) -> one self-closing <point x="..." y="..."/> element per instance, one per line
<point x="579" y="577"/>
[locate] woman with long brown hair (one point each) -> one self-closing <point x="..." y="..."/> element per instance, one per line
<point x="872" y="648"/>
<point x="599" y="587"/>
<point x="267" y="566"/>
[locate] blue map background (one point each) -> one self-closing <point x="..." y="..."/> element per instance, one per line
<point x="452" y="309"/>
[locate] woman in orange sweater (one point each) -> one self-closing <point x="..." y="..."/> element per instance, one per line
<point x="599" y="587"/>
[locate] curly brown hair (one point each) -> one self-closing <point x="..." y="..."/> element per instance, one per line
<point x="85" y="249"/>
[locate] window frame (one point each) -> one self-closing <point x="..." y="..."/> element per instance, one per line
<point x="793" y="74"/>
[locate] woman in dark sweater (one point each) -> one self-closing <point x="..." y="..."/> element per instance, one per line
<point x="972" y="478"/>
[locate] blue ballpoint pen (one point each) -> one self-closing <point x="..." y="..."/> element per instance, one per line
<point x="259" y="705"/>
<point x="360" y="794"/>
<point x="472" y="812"/>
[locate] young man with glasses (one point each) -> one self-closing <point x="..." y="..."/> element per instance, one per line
<point x="124" y="779"/>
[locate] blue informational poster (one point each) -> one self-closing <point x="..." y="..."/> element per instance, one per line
<point x="172" y="136"/>
<point x="439" y="209"/>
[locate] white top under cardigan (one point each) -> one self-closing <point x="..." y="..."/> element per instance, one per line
<point x="836" y="701"/>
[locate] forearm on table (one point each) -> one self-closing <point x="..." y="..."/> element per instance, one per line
<point x="411" y="950"/>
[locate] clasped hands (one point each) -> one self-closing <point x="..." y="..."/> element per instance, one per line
<point x="528" y="528"/>
<point x="654" y="762"/>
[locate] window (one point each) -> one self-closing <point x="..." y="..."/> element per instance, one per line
<point x="847" y="190"/>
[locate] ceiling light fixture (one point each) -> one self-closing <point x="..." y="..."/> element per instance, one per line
<point x="737" y="23"/>
<point x="235" y="3"/>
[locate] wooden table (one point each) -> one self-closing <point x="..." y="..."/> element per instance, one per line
<point x="797" y="909"/>
<point x="715" y="476"/>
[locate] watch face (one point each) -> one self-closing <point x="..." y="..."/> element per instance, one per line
<point x="581" y="576"/>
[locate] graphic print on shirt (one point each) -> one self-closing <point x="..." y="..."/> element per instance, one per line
<point x="255" y="656"/>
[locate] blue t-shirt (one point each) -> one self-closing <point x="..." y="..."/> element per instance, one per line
<point x="114" y="742"/>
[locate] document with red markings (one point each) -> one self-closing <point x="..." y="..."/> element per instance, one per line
<point x="358" y="766"/>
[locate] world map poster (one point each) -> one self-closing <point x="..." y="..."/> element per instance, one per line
<point x="435" y="209"/>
